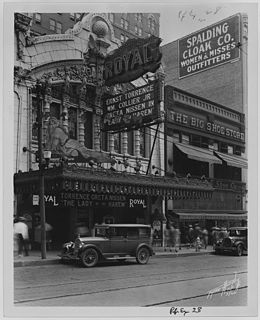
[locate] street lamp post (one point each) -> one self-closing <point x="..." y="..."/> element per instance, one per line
<point x="39" y="91"/>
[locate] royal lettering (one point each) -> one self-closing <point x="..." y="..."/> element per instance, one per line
<point x="132" y="60"/>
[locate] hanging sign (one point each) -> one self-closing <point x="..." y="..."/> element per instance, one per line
<point x="210" y="47"/>
<point x="133" y="59"/>
<point x="132" y="110"/>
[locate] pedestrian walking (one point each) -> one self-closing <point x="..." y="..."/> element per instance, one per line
<point x="173" y="238"/>
<point x="215" y="236"/>
<point x="205" y="237"/>
<point x="178" y="238"/>
<point x="223" y="233"/>
<point x="166" y="237"/>
<point x="190" y="236"/>
<point x="197" y="244"/>
<point x="22" y="235"/>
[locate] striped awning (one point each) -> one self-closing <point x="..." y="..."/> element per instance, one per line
<point x="198" y="154"/>
<point x="232" y="160"/>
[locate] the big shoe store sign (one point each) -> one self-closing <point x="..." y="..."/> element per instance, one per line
<point x="210" y="47"/>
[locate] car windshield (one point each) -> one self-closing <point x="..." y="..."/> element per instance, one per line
<point x="236" y="233"/>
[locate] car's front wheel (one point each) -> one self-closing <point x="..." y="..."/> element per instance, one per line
<point x="240" y="250"/>
<point x="143" y="255"/>
<point x="89" y="257"/>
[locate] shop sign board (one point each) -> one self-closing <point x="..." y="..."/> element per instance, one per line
<point x="133" y="109"/>
<point x="209" y="47"/>
<point x="98" y="200"/>
<point x="202" y="124"/>
<point x="132" y="60"/>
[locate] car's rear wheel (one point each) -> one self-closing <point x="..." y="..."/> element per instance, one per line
<point x="240" y="250"/>
<point x="218" y="251"/>
<point x="143" y="255"/>
<point x="89" y="258"/>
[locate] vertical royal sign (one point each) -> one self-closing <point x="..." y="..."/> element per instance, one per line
<point x="210" y="47"/>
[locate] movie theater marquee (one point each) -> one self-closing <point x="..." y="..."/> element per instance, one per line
<point x="209" y="47"/>
<point x="132" y="110"/>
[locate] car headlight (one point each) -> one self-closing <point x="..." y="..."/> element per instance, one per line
<point x="78" y="244"/>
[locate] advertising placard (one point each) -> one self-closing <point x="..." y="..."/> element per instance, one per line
<point x="132" y="110"/>
<point x="209" y="47"/>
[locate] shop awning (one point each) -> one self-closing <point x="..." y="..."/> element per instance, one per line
<point x="211" y="216"/>
<point x="231" y="160"/>
<point x="199" y="154"/>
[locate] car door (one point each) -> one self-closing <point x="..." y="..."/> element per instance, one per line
<point x="117" y="238"/>
<point x="132" y="239"/>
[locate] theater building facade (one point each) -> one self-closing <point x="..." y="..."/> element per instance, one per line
<point x="61" y="74"/>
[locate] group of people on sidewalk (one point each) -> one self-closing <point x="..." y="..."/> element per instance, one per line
<point x="195" y="237"/>
<point x="172" y="237"/>
<point x="21" y="235"/>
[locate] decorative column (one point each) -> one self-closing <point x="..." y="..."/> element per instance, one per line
<point x="46" y="108"/>
<point x="111" y="141"/>
<point x="137" y="143"/>
<point x="65" y="101"/>
<point x="97" y="133"/>
<point x="81" y="118"/>
<point x="124" y="142"/>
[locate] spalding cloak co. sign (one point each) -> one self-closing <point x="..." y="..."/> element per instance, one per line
<point x="132" y="60"/>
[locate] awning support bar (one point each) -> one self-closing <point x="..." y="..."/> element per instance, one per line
<point x="150" y="159"/>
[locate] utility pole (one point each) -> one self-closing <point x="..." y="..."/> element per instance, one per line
<point x="39" y="93"/>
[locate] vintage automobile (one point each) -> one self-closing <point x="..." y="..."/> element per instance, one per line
<point x="111" y="242"/>
<point x="235" y="242"/>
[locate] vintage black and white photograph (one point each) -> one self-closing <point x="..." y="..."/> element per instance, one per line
<point x="130" y="133"/>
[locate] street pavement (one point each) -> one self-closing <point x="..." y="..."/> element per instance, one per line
<point x="52" y="257"/>
<point x="193" y="280"/>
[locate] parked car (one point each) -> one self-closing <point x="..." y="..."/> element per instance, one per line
<point x="235" y="242"/>
<point x="111" y="242"/>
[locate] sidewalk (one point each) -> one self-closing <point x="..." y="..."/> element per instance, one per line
<point x="34" y="258"/>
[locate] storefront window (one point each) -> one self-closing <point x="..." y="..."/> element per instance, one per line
<point x="223" y="147"/>
<point x="104" y="141"/>
<point x="34" y="119"/>
<point x="73" y="123"/>
<point x="88" y="130"/>
<point x="200" y="142"/>
<point x="55" y="110"/>
<point x="142" y="142"/>
<point x="117" y="142"/>
<point x="237" y="150"/>
<point x="130" y="142"/>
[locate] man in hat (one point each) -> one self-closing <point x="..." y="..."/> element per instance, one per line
<point x="22" y="235"/>
<point x="215" y="235"/>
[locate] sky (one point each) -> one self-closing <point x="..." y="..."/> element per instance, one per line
<point x="177" y="21"/>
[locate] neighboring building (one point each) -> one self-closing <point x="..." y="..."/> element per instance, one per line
<point x="217" y="72"/>
<point x="206" y="129"/>
<point x="205" y="140"/>
<point x="125" y="25"/>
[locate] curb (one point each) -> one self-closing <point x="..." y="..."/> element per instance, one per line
<point x="36" y="263"/>
<point x="188" y="254"/>
<point x="57" y="260"/>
